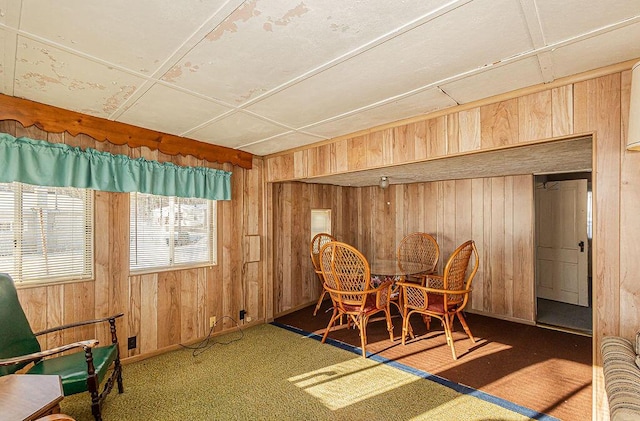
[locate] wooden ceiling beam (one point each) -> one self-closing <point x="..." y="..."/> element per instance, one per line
<point x="58" y="120"/>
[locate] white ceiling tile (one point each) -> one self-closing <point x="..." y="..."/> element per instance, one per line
<point x="279" y="143"/>
<point x="459" y="41"/>
<point x="266" y="44"/>
<point x="266" y="76"/>
<point x="139" y="35"/>
<point x="561" y="20"/>
<point x="236" y="129"/>
<point x="497" y="80"/>
<point x="420" y="103"/>
<point x="50" y="76"/>
<point x="592" y="53"/>
<point x="10" y="13"/>
<point x="7" y="63"/>
<point x="171" y="111"/>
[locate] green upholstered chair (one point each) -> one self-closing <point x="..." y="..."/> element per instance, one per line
<point x="78" y="371"/>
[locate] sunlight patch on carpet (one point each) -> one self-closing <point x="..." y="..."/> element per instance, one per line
<point x="352" y="381"/>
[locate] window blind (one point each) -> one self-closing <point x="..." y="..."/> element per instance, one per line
<point x="46" y="233"/>
<point x="170" y="231"/>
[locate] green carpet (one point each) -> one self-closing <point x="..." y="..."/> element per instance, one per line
<point x="275" y="374"/>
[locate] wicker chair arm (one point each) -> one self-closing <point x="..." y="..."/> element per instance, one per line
<point x="78" y="324"/>
<point x="383" y="293"/>
<point x="434" y="290"/>
<point x="39" y="355"/>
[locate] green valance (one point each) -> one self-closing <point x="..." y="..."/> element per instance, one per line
<point x="55" y="164"/>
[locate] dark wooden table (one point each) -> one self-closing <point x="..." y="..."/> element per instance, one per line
<point x="29" y="396"/>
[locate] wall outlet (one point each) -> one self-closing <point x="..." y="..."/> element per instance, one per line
<point x="248" y="319"/>
<point x="212" y="321"/>
<point x="132" y="342"/>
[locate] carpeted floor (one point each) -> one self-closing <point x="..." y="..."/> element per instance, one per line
<point x="546" y="370"/>
<point x="270" y="373"/>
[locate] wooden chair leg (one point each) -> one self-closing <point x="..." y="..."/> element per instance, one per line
<point x="389" y="324"/>
<point x="363" y="335"/>
<point x="319" y="301"/>
<point x="405" y="324"/>
<point x="334" y="316"/>
<point x="463" y="322"/>
<point x="447" y="330"/>
<point x="427" y="321"/>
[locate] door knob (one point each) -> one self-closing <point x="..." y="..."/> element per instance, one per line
<point x="581" y="245"/>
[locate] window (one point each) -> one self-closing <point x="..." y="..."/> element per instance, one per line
<point x="169" y="232"/>
<point x="320" y="221"/>
<point x="46" y="233"/>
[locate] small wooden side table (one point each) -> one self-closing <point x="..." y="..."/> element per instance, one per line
<point x="29" y="396"/>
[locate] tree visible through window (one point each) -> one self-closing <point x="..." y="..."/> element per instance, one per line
<point x="171" y="231"/>
<point x="46" y="233"/>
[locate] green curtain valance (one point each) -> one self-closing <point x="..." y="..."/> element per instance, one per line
<point x="55" y="164"/>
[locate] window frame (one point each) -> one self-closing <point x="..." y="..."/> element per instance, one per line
<point x="327" y="213"/>
<point x="88" y="239"/>
<point x="212" y="238"/>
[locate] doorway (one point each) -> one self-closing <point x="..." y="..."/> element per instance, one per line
<point x="563" y="251"/>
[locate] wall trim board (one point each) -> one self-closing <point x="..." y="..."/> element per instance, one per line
<point x="57" y="120"/>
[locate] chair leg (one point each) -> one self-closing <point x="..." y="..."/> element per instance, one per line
<point x="405" y="325"/>
<point x="427" y="321"/>
<point x="334" y="316"/>
<point x="363" y="335"/>
<point x="118" y="366"/>
<point x="463" y="322"/>
<point x="324" y="291"/>
<point x="389" y="324"/>
<point x="447" y="322"/>
<point x="93" y="385"/>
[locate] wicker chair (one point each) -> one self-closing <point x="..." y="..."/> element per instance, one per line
<point x="316" y="244"/>
<point x="347" y="278"/>
<point x="444" y="296"/>
<point x="418" y="247"/>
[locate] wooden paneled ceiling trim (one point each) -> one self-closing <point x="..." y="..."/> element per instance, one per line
<point x="57" y="120"/>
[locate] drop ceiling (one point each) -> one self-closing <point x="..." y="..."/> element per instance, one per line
<point x="267" y="76"/>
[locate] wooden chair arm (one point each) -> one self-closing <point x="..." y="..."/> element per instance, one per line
<point x="90" y="343"/>
<point x="78" y="324"/>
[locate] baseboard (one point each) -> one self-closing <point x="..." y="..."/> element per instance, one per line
<point x="175" y="347"/>
<point x="296" y="308"/>
<point x="503" y="317"/>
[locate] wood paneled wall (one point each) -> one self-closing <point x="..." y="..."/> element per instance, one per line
<point x="167" y="308"/>
<point x="498" y="212"/>
<point x="295" y="283"/>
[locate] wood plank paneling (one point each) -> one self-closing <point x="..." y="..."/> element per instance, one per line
<point x="534" y="116"/>
<point x="159" y="310"/>
<point x="469" y="126"/>
<point x="630" y="223"/>
<point x="499" y="124"/>
<point x="562" y="110"/>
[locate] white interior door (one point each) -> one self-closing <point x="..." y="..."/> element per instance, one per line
<point x="561" y="241"/>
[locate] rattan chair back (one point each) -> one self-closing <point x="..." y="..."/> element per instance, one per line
<point x="419" y="247"/>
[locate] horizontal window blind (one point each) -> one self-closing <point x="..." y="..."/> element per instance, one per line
<point x="171" y="231"/>
<point x="46" y="233"/>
